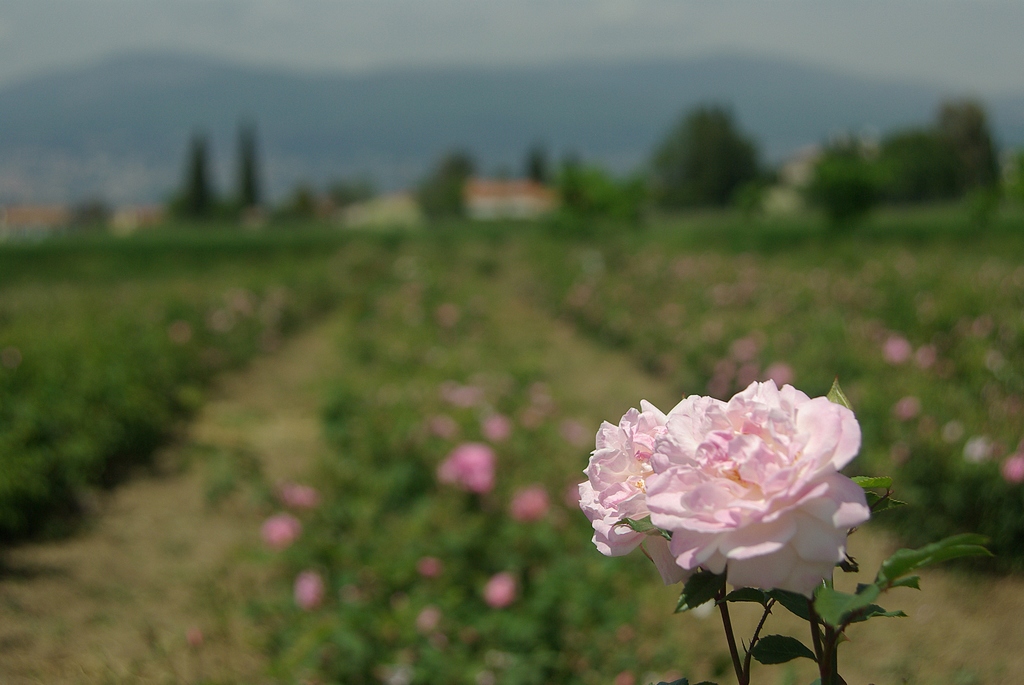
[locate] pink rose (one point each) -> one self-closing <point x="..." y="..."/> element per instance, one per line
<point x="464" y="396"/>
<point x="429" y="567"/>
<point x="574" y="432"/>
<point x="309" y="590"/>
<point x="616" y="487"/>
<point x="194" y="637"/>
<point x="500" y="590"/>
<point x="780" y="372"/>
<point x="428" y="619"/>
<point x="280" y="531"/>
<point x="298" y="496"/>
<point x="1013" y="469"/>
<point x="907" y="408"/>
<point x="470" y="466"/>
<point x="529" y="504"/>
<point x="896" y="349"/>
<point x="444" y="426"/>
<point x="752" y="488"/>
<point x="497" y="428"/>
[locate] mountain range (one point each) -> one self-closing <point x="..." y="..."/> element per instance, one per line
<point x="118" y="129"/>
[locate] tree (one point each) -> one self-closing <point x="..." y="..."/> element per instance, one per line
<point x="963" y="123"/>
<point x="588" y="191"/>
<point x="845" y="184"/>
<point x="919" y="165"/>
<point x="196" y="199"/>
<point x="537" y="164"/>
<point x="440" y="193"/>
<point x="702" y="161"/>
<point x="249" y="191"/>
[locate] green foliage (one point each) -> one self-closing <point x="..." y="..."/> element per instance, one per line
<point x="845" y="185"/>
<point x="115" y="340"/>
<point x="703" y="161"/>
<point x="713" y="312"/>
<point x="537" y="165"/>
<point x="700" y="588"/>
<point x="589" y="192"/>
<point x="920" y="165"/>
<point x="384" y="509"/>
<point x="1015" y="178"/>
<point x="778" y="649"/>
<point x="441" y="193"/>
<point x="964" y="125"/>
<point x="837" y="396"/>
<point x="249" y="190"/>
<point x="196" y="199"/>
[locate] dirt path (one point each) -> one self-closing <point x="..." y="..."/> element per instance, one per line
<point x="172" y="551"/>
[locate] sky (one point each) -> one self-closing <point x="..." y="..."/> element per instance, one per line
<point x="970" y="46"/>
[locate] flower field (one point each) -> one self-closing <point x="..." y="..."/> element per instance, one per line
<point x="105" y="345"/>
<point x="925" y="333"/>
<point x="441" y="541"/>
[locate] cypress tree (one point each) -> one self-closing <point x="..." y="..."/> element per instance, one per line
<point x="248" y="168"/>
<point x="196" y="195"/>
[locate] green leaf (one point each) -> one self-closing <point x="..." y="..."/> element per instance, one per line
<point x="834" y="606"/>
<point x="644" y="526"/>
<point x="748" y="594"/>
<point x="701" y="587"/>
<point x="910" y="581"/>
<point x="837" y="396"/>
<point x="794" y="601"/>
<point x="877" y="482"/>
<point x="872" y="610"/>
<point x="778" y="649"/>
<point x="905" y="561"/>
<point x="817" y="681"/>
<point x="886" y="503"/>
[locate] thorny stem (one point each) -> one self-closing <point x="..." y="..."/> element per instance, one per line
<point x="723" y="607"/>
<point x="816" y="640"/>
<point x="753" y="640"/>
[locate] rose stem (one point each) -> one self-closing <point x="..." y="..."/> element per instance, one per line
<point x="753" y="640"/>
<point x="723" y="606"/>
<point x="816" y="640"/>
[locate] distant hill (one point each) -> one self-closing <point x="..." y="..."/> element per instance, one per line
<point x="118" y="129"/>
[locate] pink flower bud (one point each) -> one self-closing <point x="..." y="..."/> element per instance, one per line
<point x="896" y="349"/>
<point x="429" y="567"/>
<point x="444" y="427"/>
<point x="529" y="504"/>
<point x="780" y="372"/>
<point x="907" y="408"/>
<point x="497" y="428"/>
<point x="194" y="637"/>
<point x="574" y="432"/>
<point x="1013" y="469"/>
<point x="500" y="590"/>
<point x="309" y="590"/>
<point x="428" y="619"/>
<point x="298" y="496"/>
<point x="470" y="466"/>
<point x="280" y="531"/>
